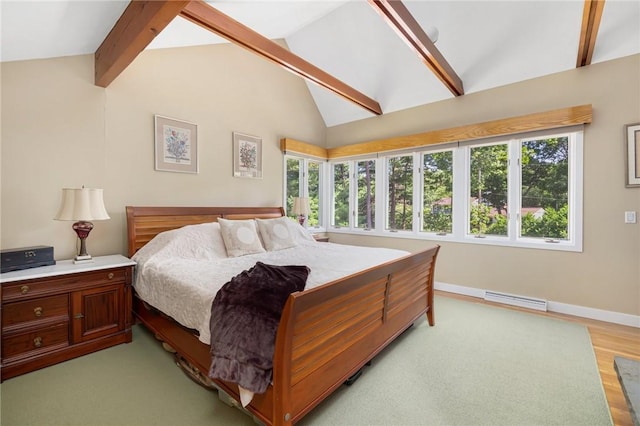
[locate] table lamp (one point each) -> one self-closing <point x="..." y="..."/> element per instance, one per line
<point x="301" y="208"/>
<point x="82" y="205"/>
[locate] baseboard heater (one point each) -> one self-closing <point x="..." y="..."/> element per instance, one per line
<point x="511" y="299"/>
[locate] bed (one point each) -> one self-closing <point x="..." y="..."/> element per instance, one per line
<point x="326" y="333"/>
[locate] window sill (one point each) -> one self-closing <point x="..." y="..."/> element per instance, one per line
<point x="529" y="243"/>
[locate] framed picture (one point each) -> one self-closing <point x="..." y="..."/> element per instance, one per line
<point x="633" y="154"/>
<point x="176" y="145"/>
<point x="247" y="156"/>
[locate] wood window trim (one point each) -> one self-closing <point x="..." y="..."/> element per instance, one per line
<point x="563" y="117"/>
<point x="292" y="146"/>
<point x="558" y="118"/>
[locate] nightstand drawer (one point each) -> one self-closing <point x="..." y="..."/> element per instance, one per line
<point x="35" y="309"/>
<point x="41" y="287"/>
<point x="32" y="342"/>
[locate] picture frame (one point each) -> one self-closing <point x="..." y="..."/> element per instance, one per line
<point x="176" y="145"/>
<point x="632" y="132"/>
<point x="247" y="156"/>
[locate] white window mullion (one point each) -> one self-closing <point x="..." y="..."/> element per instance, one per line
<point x="418" y="203"/>
<point x="461" y="184"/>
<point x="304" y="179"/>
<point x="353" y="193"/>
<point x="575" y="189"/>
<point x="514" y="190"/>
<point x="381" y="184"/>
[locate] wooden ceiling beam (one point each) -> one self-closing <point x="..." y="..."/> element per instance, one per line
<point x="591" y="15"/>
<point x="140" y="23"/>
<point x="404" y="24"/>
<point x="215" y="21"/>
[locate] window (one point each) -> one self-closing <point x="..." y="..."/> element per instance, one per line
<point x="294" y="167"/>
<point x="437" y="192"/>
<point x="527" y="192"/>
<point x="313" y="192"/>
<point x="366" y="194"/>
<point x="488" y="190"/>
<point x="340" y="187"/>
<point x="523" y="192"/>
<point x="304" y="179"/>
<point x="544" y="199"/>
<point x="400" y="193"/>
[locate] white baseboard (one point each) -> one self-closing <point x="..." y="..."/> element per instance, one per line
<point x="561" y="308"/>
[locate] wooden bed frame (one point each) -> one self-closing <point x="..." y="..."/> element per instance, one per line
<point x="326" y="334"/>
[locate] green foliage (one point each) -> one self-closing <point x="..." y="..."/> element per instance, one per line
<point x="544" y="180"/>
<point x="498" y="225"/>
<point x="438" y="186"/>
<point x="314" y="193"/>
<point x="341" y="194"/>
<point x="553" y="224"/>
<point x="400" y="172"/>
<point x="479" y="219"/>
<point x="366" y="193"/>
<point x="294" y="167"/>
<point x="437" y="222"/>
<point x="545" y="168"/>
<point x="489" y="176"/>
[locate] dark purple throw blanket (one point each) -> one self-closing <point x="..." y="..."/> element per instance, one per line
<point x="244" y="320"/>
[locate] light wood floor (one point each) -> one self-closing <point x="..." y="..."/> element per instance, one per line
<point x="608" y="340"/>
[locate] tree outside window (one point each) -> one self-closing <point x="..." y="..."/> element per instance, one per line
<point x="544" y="201"/>
<point x="437" y="194"/>
<point x="400" y="192"/>
<point x="340" y="194"/>
<point x="488" y="190"/>
<point x="366" y="172"/>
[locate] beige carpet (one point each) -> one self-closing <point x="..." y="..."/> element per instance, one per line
<point x="478" y="366"/>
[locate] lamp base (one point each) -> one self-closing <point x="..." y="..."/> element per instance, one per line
<point x="83" y="259"/>
<point x="83" y="228"/>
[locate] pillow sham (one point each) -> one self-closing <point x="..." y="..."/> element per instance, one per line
<point x="240" y="237"/>
<point x="276" y="233"/>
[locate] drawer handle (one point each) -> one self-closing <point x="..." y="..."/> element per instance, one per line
<point x="110" y="276"/>
<point x="24" y="289"/>
<point x="37" y="311"/>
<point x="37" y="342"/>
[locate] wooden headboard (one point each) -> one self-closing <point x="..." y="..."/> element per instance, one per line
<point x="144" y="223"/>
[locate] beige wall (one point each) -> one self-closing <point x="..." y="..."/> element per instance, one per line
<point x="606" y="275"/>
<point x="60" y="130"/>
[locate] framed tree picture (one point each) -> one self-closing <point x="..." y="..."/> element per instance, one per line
<point x="176" y="145"/>
<point x="633" y="154"/>
<point x="247" y="156"/>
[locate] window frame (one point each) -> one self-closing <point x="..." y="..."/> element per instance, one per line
<point x="461" y="187"/>
<point x="303" y="184"/>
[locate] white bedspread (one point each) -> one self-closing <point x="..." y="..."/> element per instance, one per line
<point x="180" y="271"/>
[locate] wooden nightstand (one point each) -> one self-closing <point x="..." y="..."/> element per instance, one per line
<point x="54" y="313"/>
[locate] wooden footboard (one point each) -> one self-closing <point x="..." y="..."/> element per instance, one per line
<point x="326" y="334"/>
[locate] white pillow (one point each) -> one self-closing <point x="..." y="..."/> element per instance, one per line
<point x="276" y="233"/>
<point x="240" y="237"/>
<point x="201" y="241"/>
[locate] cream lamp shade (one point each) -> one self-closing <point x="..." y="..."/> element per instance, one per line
<point x="82" y="205"/>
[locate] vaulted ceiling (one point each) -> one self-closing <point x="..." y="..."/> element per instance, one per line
<point x="360" y="58"/>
